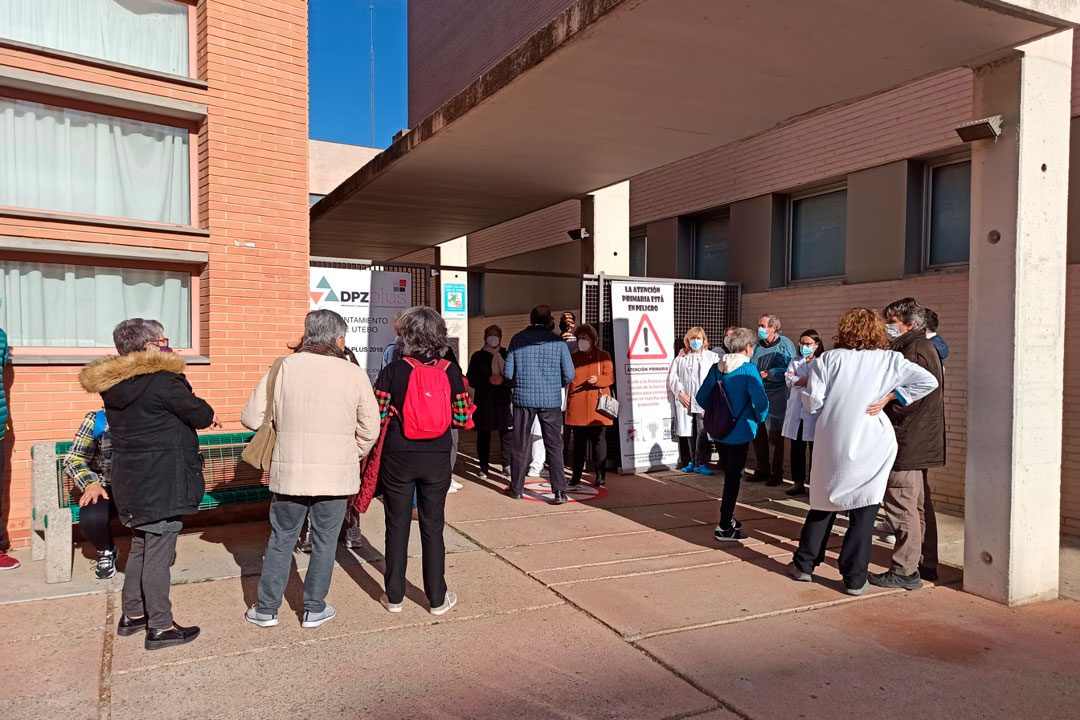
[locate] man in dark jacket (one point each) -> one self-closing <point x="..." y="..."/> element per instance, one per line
<point x="157" y="474"/>
<point x="920" y="439"/>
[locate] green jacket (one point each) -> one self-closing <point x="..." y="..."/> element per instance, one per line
<point x="3" y="395"/>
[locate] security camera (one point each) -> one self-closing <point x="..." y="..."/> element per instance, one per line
<point x="578" y="234"/>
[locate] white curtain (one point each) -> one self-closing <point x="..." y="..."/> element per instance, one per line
<point x="54" y="305"/>
<point x="151" y="34"/>
<point x="73" y="161"/>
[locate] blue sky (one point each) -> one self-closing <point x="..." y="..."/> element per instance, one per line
<point x="339" y="70"/>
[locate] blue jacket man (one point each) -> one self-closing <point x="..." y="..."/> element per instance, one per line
<point x="539" y="365"/>
<point x="772" y="353"/>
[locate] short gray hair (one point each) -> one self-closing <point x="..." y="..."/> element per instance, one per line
<point x="422" y="333"/>
<point x="322" y="328"/>
<point x="908" y="310"/>
<point x="738" y="339"/>
<point x="131" y="335"/>
<point x="774" y="321"/>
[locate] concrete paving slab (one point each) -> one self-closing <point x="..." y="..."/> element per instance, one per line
<point x="701" y="558"/>
<point x="642" y="604"/>
<point x="61" y="616"/>
<point x="551" y="663"/>
<point x="58" y="676"/>
<point x="618" y="548"/>
<point x="942" y="653"/>
<point x="514" y="532"/>
<point x="485" y="585"/>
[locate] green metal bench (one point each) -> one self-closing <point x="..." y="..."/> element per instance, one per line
<point x="229" y="481"/>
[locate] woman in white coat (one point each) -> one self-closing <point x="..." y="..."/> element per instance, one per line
<point x="798" y="421"/>
<point x="684" y="380"/>
<point x="855" y="443"/>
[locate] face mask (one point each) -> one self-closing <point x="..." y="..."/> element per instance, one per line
<point x="762" y="333"/>
<point x="696" y="344"/>
<point x="164" y="348"/>
<point x="493" y="341"/>
<point x="893" y="330"/>
<point x="806" y="350"/>
<point x="584" y="345"/>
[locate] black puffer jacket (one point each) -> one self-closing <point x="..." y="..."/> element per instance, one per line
<point x="153" y="414"/>
<point x="920" y="426"/>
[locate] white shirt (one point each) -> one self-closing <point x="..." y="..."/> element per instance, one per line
<point x="796" y="413"/>
<point x="685" y="376"/>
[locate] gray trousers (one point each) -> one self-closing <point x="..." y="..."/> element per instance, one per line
<point x="287" y="514"/>
<point x="147" y="576"/>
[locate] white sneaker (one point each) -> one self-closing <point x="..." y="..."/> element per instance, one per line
<point x="883" y="531"/>
<point x="314" y="620"/>
<point x="447" y="606"/>
<point x="390" y="607"/>
<point x="482" y="475"/>
<point x="353" y="538"/>
<point x="455" y="485"/>
<point x="452" y="490"/>
<point x="261" y="619"/>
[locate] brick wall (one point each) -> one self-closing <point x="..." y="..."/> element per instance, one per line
<point x="452" y="42"/>
<point x="252" y="195"/>
<point x="821" y="307"/>
<point x="535" y="231"/>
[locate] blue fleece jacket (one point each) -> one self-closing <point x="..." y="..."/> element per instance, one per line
<point x="539" y="364"/>
<point x="745" y="392"/>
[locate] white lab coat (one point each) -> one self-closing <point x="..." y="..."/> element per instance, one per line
<point x="854" y="451"/>
<point x="686" y="375"/>
<point x="796" y="412"/>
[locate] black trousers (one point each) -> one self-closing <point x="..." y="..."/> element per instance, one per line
<point x="147" y="577"/>
<point x="696" y="449"/>
<point x="594" y="436"/>
<point x="94" y="523"/>
<point x="854" y="553"/>
<point x="769" y="451"/>
<point x="551" y="428"/>
<point x="800" y="449"/>
<point x="734" y="462"/>
<point x="483" y="448"/>
<point x="428" y="475"/>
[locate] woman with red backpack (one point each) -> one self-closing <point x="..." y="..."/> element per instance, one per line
<point x="422" y="397"/>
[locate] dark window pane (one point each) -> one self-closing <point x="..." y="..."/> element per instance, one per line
<point x="475" y="294"/>
<point x="818" y="228"/>
<point x="950" y="213"/>
<point x="638" y="249"/>
<point x="712" y="239"/>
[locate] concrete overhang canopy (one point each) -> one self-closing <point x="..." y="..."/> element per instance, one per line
<point x="613" y="88"/>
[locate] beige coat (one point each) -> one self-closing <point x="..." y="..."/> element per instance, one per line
<point x="326" y="418"/>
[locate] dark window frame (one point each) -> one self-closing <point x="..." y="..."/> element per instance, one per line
<point x="789" y="233"/>
<point x="927" y="214"/>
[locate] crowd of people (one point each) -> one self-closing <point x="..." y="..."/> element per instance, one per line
<point x="864" y="421"/>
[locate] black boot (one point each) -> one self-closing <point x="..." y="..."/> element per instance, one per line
<point x="575" y="481"/>
<point x="176" y="635"/>
<point x="560" y="498"/>
<point x="129" y="626"/>
<point x="798" y="489"/>
<point x="599" y="481"/>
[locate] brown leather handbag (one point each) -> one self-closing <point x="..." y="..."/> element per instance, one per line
<point x="260" y="449"/>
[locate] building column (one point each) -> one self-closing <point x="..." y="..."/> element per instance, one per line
<point x="1016" y="306"/>
<point x="453" y="295"/>
<point x="605" y="214"/>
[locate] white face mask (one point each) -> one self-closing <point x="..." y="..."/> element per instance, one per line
<point x="493" y="341"/>
<point x="584" y="345"/>
<point x="893" y="330"/>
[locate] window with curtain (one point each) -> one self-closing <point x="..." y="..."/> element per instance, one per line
<point x="712" y="242"/>
<point x="949" y="214"/>
<point x="70" y="306"/>
<point x="151" y="34"/>
<point x="82" y="162"/>
<point x="818" y="232"/>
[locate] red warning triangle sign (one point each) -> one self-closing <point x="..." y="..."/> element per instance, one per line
<point x="646" y="345"/>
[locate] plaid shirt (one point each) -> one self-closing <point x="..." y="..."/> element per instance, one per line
<point x="460" y="406"/>
<point x="89" y="460"/>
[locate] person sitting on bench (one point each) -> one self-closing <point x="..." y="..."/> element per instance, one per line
<point x="89" y="464"/>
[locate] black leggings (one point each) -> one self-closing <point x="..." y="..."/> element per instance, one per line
<point x="483" y="448"/>
<point x="734" y="460"/>
<point x="594" y="436"/>
<point x="94" y="523"/>
<point x="800" y="468"/>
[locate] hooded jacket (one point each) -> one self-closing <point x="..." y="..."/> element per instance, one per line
<point x="157" y="471"/>
<point x="919" y="426"/>
<point x="745" y="391"/>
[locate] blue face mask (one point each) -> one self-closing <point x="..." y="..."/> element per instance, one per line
<point x="762" y="333"/>
<point x="696" y="344"/>
<point x="806" y="350"/>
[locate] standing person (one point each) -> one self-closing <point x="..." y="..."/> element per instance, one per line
<point x="89" y="464"/>
<point x="538" y="363"/>
<point x="492" y="396"/>
<point x="567" y="323"/>
<point x="798" y="421"/>
<point x="687" y="372"/>
<point x="6" y="561"/>
<point x="920" y="439"/>
<point x="326" y="420"/>
<point x="932" y="335"/>
<point x="594" y="375"/>
<point x="772" y="355"/>
<point x="424" y="396"/>
<point x="157" y="475"/>
<point x="749" y="403"/>
<point x="855" y="445"/>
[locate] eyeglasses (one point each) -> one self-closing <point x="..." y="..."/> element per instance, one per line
<point x="161" y="341"/>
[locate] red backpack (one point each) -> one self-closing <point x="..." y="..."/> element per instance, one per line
<point x="426" y="413"/>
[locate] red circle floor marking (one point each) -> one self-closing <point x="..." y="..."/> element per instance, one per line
<point x="540" y="491"/>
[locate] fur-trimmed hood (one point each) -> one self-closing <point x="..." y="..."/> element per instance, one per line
<point x="106" y="373"/>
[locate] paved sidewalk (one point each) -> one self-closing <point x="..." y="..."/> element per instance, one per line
<point x="620" y="607"/>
